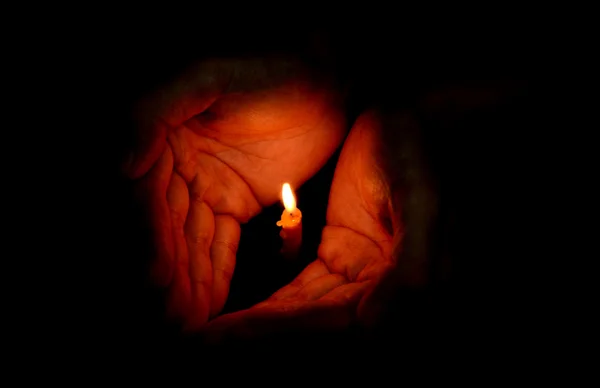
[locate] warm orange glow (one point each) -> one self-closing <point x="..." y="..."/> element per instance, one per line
<point x="289" y="201"/>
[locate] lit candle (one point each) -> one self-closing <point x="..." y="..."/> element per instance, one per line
<point x="291" y="224"/>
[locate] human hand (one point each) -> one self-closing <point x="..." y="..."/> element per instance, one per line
<point x="215" y="147"/>
<point x="372" y="245"/>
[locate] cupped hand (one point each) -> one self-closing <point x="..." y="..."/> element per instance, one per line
<point x="360" y="258"/>
<point x="215" y="146"/>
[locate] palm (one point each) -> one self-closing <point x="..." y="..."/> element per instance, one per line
<point x="223" y="164"/>
<point x="245" y="146"/>
<point x="355" y="251"/>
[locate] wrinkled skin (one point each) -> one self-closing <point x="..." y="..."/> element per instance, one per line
<point x="356" y="251"/>
<point x="219" y="148"/>
<point x="215" y="146"/>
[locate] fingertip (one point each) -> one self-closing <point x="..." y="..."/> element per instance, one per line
<point x="133" y="169"/>
<point x="138" y="167"/>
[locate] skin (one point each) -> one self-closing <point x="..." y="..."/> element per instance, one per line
<point x="216" y="146"/>
<point x="223" y="142"/>
<point x="357" y="249"/>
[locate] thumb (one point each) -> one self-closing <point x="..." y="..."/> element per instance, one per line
<point x="150" y="142"/>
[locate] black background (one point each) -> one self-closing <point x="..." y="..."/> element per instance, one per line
<point x="487" y="164"/>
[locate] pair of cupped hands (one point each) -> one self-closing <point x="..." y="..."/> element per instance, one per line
<point x="214" y="148"/>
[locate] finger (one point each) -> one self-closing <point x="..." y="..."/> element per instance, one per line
<point x="222" y="254"/>
<point x="348" y="252"/>
<point x="320" y="287"/>
<point x="280" y="317"/>
<point x="199" y="231"/>
<point x="314" y="270"/>
<point x="153" y="189"/>
<point x="348" y="293"/>
<point x="179" y="301"/>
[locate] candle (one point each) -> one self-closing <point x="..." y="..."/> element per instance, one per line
<point x="291" y="224"/>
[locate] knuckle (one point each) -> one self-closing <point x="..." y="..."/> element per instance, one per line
<point x="199" y="239"/>
<point x="203" y="283"/>
<point x="177" y="221"/>
<point x="231" y="247"/>
<point x="196" y="197"/>
<point x="226" y="274"/>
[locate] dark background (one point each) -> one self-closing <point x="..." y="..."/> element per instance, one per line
<point x="487" y="162"/>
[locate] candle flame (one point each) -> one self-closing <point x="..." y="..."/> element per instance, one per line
<point x="288" y="198"/>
